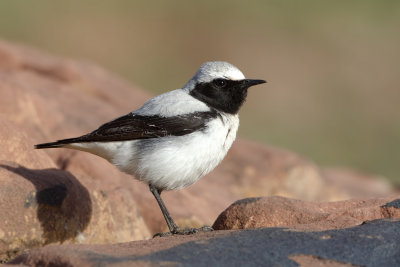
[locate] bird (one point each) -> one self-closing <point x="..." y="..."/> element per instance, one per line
<point x="175" y="138"/>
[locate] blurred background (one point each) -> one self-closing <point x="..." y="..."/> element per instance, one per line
<point x="333" y="67"/>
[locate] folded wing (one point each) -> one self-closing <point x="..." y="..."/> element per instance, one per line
<point x="132" y="127"/>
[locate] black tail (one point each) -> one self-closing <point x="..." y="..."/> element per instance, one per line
<point x="49" y="145"/>
<point x="59" y="143"/>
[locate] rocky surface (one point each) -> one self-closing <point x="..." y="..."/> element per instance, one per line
<point x="64" y="196"/>
<point x="43" y="199"/>
<point x="284" y="212"/>
<point x="375" y="243"/>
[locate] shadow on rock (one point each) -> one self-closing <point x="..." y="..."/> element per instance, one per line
<point x="374" y="243"/>
<point x="63" y="204"/>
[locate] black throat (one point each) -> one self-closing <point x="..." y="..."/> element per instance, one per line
<point x="227" y="98"/>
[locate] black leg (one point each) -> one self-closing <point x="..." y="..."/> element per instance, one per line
<point x="170" y="222"/>
<point x="173" y="228"/>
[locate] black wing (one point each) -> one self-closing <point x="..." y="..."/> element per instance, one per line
<point x="132" y="127"/>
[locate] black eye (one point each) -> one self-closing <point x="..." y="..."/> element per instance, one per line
<point x="220" y="83"/>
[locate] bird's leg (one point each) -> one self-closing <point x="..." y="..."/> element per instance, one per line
<point x="170" y="222"/>
<point x="173" y="228"/>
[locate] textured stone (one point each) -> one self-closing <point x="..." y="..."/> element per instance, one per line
<point x="284" y="212"/>
<point x="374" y="243"/>
<point x="42" y="206"/>
<point x="39" y="203"/>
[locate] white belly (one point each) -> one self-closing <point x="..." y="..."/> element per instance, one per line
<point x="172" y="162"/>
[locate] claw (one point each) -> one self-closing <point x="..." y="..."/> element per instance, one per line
<point x="162" y="234"/>
<point x="186" y="231"/>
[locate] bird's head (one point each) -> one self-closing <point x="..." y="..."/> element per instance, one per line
<point x="221" y="86"/>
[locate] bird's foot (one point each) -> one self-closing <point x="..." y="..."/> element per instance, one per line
<point x="185" y="231"/>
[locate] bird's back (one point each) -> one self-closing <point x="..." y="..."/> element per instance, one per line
<point x="172" y="103"/>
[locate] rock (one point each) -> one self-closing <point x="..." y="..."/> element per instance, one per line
<point x="16" y="146"/>
<point x="283" y="212"/>
<point x="374" y="243"/>
<point x="356" y="184"/>
<point x="41" y="204"/>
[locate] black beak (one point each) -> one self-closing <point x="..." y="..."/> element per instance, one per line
<point x="252" y="82"/>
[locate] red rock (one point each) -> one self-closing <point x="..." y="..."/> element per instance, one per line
<point x="16" y="146"/>
<point x="39" y="203"/>
<point x="284" y="212"/>
<point x="48" y="205"/>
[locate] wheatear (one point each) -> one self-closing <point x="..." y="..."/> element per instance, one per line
<point x="175" y="138"/>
